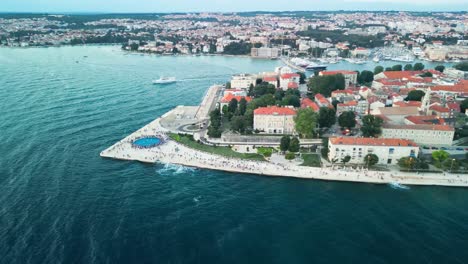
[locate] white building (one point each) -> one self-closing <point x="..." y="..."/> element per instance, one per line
<point x="243" y="81"/>
<point x="287" y="78"/>
<point x="421" y="134"/>
<point x="264" y="52"/>
<point x="274" y="120"/>
<point x="388" y="150"/>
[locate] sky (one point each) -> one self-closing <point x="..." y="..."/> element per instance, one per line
<point x="154" y="6"/>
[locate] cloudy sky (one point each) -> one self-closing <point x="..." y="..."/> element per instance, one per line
<point x="226" y="5"/>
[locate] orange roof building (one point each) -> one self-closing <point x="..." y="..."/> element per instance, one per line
<point x="388" y="150"/>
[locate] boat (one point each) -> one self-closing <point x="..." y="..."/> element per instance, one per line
<point x="315" y="67"/>
<point x="165" y="80"/>
<point x="376" y="59"/>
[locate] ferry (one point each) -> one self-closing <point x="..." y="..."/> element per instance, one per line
<point x="315" y="67"/>
<point x="165" y="80"/>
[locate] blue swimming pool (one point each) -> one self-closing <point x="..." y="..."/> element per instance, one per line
<point x="147" y="142"/>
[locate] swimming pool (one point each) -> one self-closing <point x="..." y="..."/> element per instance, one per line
<point x="147" y="142"/>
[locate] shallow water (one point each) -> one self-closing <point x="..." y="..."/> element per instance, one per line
<point x="61" y="203"/>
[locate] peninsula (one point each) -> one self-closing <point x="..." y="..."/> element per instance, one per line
<point x="189" y="136"/>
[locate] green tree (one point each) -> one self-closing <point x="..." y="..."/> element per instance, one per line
<point x="285" y="142"/>
<point x="294" y="146"/>
<point x="238" y="124"/>
<point x="347" y="119"/>
<point x="263" y="88"/>
<point x="371" y="159"/>
<point x="397" y="67"/>
<point x="371" y="126"/>
<point x="305" y="122"/>
<point x="346" y="159"/>
<point x="451" y="164"/>
<point x="326" y="117"/>
<point x="408" y="67"/>
<point x="237" y="48"/>
<point x="388" y="69"/>
<point x="290" y="156"/>
<point x="366" y="77"/>
<point x="134" y="46"/>
<point x="440" y="156"/>
<point x="415" y="95"/>
<point x="228" y="85"/>
<point x="232" y="107"/>
<point x="324" y="151"/>
<point x="242" y="106"/>
<point x="426" y="74"/>
<point x="302" y="77"/>
<point x="378" y="69"/>
<point x="462" y="66"/>
<point x="293" y="100"/>
<point x="225" y="110"/>
<point x="439" y="68"/>
<point x="326" y="84"/>
<point x="407" y="162"/>
<point x="418" y="66"/>
<point x="464" y="105"/>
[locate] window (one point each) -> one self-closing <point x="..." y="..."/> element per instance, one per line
<point x="391" y="150"/>
<point x="389" y="161"/>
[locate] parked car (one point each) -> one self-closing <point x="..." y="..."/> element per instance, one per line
<point x="459" y="149"/>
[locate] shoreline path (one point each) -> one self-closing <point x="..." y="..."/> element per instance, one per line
<point x="176" y="153"/>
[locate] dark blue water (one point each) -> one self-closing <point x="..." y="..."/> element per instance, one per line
<point x="61" y="203"/>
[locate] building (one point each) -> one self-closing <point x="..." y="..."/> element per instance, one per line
<point x="274" y="120"/>
<point x="307" y="102"/>
<point x="440" y="111"/>
<point x="271" y="80"/>
<point x="267" y="53"/>
<point x="344" y="107"/>
<point x="287" y="78"/>
<point x="350" y="76"/>
<point x="229" y="97"/>
<point x="425" y="134"/>
<point x="243" y="81"/>
<point x="397" y="114"/>
<point x="322" y="101"/>
<point x="388" y="150"/>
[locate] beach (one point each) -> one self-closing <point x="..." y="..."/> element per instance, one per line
<point x="171" y="152"/>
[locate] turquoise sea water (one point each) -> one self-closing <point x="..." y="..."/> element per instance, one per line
<point x="61" y="203"/>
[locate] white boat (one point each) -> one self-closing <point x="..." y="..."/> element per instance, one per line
<point x="165" y="80"/>
<point x="376" y="59"/>
<point x="315" y="67"/>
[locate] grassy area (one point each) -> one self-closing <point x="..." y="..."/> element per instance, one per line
<point x="311" y="160"/>
<point x="222" y="151"/>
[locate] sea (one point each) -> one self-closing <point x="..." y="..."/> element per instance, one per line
<point x="62" y="203"/>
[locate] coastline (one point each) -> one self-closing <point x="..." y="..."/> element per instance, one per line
<point x="172" y="152"/>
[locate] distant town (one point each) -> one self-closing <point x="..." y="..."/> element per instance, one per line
<point x="329" y="36"/>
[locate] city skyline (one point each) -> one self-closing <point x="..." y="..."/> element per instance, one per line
<point x="143" y="6"/>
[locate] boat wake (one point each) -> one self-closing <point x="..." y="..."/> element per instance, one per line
<point x="398" y="186"/>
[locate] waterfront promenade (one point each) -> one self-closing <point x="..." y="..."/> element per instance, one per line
<point x="175" y="153"/>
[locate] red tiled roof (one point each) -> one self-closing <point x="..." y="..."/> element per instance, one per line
<point x="439" y="109"/>
<point x="432" y="119"/>
<point x="458" y="88"/>
<point x="228" y="97"/>
<point x="274" y="110"/>
<point x="454" y="106"/>
<point x="346" y="91"/>
<point x="269" y="79"/>
<point x="293" y="85"/>
<point x="289" y="75"/>
<point x="409" y="103"/>
<point x="421" y="127"/>
<point x="373" y="141"/>
<point x="400" y="74"/>
<point x="306" y="102"/>
<point x="387" y="81"/>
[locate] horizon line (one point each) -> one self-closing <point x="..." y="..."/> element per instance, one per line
<point x="223" y="12"/>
